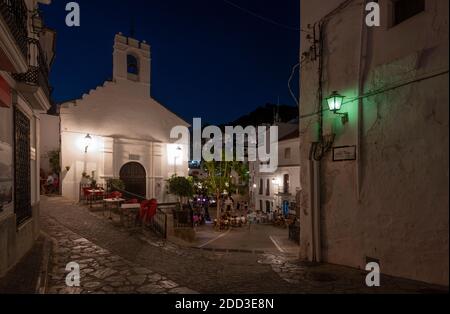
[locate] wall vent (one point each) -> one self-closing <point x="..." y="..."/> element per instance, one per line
<point x="134" y="157"/>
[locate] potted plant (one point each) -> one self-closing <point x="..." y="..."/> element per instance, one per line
<point x="116" y="185"/>
<point x="181" y="187"/>
<point x="54" y="161"/>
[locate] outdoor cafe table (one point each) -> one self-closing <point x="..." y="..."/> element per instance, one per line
<point x="110" y="202"/>
<point x="92" y="194"/>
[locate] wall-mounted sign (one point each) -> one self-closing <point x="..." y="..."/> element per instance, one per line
<point x="344" y="153"/>
<point x="5" y="93"/>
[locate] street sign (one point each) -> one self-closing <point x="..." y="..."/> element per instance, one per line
<point x="344" y="153"/>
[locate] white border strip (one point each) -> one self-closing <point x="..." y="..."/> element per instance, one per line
<point x="277" y="245"/>
<point x="214" y="239"/>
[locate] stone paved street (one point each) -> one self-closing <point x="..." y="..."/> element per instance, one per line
<point x="100" y="270"/>
<point x="116" y="260"/>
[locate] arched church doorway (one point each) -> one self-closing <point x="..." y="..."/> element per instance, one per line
<point x="133" y="176"/>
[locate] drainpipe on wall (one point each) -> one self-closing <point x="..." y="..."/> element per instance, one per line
<point x="316" y="215"/>
<point x="361" y="70"/>
<point x="311" y="209"/>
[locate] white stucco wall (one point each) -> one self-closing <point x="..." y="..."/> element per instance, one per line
<point x="50" y="138"/>
<point x="400" y="213"/>
<point x="107" y="155"/>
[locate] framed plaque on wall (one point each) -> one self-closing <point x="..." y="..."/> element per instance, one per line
<point x="344" y="153"/>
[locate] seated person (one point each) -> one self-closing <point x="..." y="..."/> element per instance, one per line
<point x="49" y="184"/>
<point x="195" y="218"/>
<point x="243" y="220"/>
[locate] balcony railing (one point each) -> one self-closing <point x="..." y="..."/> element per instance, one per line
<point x="15" y="14"/>
<point x="38" y="73"/>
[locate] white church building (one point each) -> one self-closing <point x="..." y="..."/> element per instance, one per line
<point x="119" y="131"/>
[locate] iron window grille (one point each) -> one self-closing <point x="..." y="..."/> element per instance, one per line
<point x="22" y="167"/>
<point x="15" y="14"/>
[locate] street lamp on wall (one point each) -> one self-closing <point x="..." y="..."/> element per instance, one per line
<point x="87" y="142"/>
<point x="335" y="101"/>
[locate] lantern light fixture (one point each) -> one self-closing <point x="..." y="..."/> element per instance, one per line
<point x="87" y="142"/>
<point x="335" y="101"/>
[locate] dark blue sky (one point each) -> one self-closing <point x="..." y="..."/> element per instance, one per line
<point x="209" y="59"/>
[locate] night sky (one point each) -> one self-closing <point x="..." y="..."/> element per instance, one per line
<point x="209" y="59"/>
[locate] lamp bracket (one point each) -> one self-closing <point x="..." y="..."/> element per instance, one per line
<point x="344" y="116"/>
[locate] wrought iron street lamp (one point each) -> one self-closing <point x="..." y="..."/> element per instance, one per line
<point x="335" y="101"/>
<point x="87" y="142"/>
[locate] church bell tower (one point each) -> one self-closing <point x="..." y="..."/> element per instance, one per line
<point x="131" y="62"/>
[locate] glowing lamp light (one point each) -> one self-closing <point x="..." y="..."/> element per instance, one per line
<point x="174" y="154"/>
<point x="87" y="142"/>
<point x="335" y="101"/>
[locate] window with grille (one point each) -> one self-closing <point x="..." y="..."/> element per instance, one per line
<point x="22" y="167"/>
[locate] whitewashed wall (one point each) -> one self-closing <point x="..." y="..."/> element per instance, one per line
<point x="400" y="213"/>
<point x="50" y="138"/>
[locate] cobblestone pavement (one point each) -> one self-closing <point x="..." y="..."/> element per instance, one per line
<point x="115" y="259"/>
<point x="100" y="270"/>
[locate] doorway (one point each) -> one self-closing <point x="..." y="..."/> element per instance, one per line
<point x="133" y="176"/>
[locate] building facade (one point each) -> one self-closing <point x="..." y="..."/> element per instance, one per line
<point x="26" y="54"/>
<point x="50" y="141"/>
<point x="278" y="190"/>
<point x="375" y="173"/>
<point x="128" y="131"/>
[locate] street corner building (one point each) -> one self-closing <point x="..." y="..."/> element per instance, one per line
<point x="128" y="131"/>
<point x="26" y="55"/>
<point x="374" y="136"/>
<point x="279" y="189"/>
